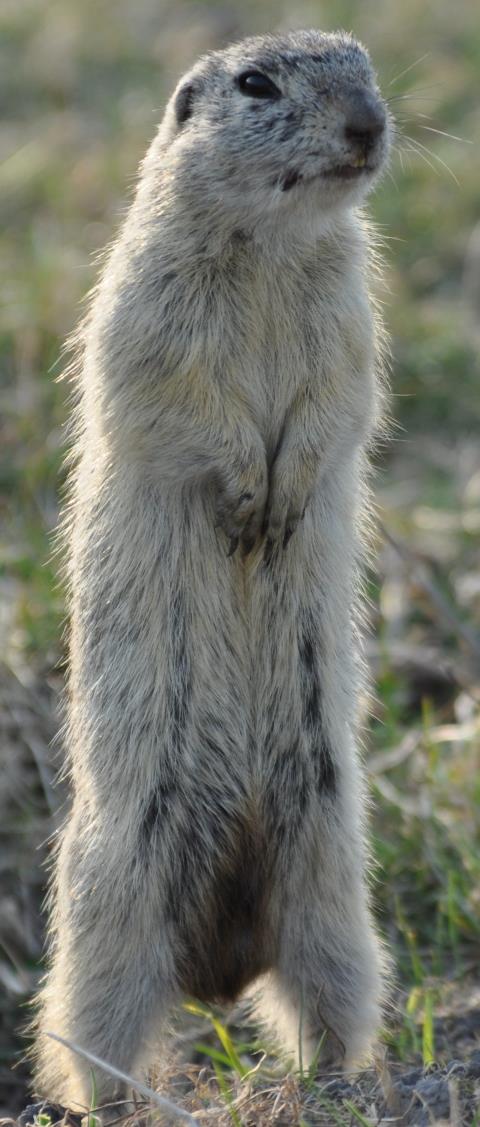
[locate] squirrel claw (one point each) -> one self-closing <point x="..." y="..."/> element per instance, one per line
<point x="287" y="536"/>
<point x="268" y="553"/>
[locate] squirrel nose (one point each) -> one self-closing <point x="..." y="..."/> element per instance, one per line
<point x="365" y="117"/>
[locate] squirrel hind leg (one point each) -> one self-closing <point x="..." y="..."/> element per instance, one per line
<point x="323" y="1000"/>
<point x="112" y="978"/>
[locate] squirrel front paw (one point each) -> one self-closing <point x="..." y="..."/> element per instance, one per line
<point x="284" y="510"/>
<point x="240" y="507"/>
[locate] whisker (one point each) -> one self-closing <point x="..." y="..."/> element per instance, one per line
<point x="394" y="182"/>
<point x="417" y="92"/>
<point x="452" y="136"/>
<point x="399" y="122"/>
<point x="399" y="134"/>
<point x="412" y="149"/>
<point x="407" y="98"/>
<point x="407" y="69"/>
<point x="435" y="156"/>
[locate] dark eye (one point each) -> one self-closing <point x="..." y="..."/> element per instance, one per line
<point x="257" y="85"/>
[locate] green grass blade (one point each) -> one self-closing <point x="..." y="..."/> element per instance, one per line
<point x="428" y="1036"/>
<point x="357" y="1114"/>
<point x="227" y="1095"/>
<point x="316" y="1055"/>
<point x="227" y="1043"/>
<point x="222" y="1033"/>
<point x="335" y="1115"/>
<point x="213" y="1054"/>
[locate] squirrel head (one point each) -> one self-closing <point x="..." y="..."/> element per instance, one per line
<point x="275" y="124"/>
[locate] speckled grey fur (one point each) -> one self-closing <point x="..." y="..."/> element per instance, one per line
<point x="227" y="369"/>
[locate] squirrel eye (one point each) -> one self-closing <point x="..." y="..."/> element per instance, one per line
<point x="257" y="85"/>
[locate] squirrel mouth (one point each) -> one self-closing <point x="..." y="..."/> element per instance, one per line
<point x="347" y="171"/>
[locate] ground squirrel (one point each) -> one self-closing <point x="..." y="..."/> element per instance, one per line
<point x="228" y="391"/>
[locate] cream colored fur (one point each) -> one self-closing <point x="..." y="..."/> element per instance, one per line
<point x="228" y="391"/>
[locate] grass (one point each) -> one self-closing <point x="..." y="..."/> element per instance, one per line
<point x="82" y="87"/>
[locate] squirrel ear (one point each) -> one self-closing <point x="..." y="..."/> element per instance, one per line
<point x="184" y="101"/>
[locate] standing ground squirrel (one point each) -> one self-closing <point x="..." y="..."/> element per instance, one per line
<point x="227" y="369"/>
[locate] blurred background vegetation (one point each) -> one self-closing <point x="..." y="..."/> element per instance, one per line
<point x="82" y="87"/>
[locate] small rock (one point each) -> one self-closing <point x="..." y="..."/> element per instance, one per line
<point x="456" y="1068"/>
<point x="338" y="1088"/>
<point x="473" y="1065"/>
<point x="409" y="1079"/>
<point x="434" y="1090"/>
<point x="55" y="1112"/>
